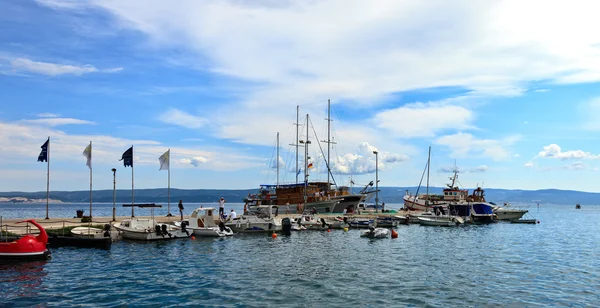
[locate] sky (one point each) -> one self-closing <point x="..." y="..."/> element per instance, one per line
<point x="505" y="92"/>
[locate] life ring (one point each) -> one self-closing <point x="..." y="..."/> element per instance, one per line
<point x="268" y="197"/>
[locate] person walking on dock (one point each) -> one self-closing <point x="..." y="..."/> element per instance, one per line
<point x="180" y="206"/>
<point x="222" y="207"/>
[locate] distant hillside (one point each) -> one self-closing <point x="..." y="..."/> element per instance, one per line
<point x="386" y="194"/>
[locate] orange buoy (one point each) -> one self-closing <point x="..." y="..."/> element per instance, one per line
<point x="394" y="234"/>
<point x="328" y="230"/>
<point x="274" y="235"/>
<point x="193" y="237"/>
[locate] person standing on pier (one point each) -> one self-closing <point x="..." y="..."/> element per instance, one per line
<point x="180" y="206"/>
<point x="222" y="207"/>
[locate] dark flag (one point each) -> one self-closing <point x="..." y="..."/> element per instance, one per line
<point x="43" y="157"/>
<point x="127" y="157"/>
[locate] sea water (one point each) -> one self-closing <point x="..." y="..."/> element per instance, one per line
<point x="553" y="263"/>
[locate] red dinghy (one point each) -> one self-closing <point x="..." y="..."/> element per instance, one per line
<point x="28" y="247"/>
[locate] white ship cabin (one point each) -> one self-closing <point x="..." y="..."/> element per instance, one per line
<point x="203" y="217"/>
<point x="455" y="194"/>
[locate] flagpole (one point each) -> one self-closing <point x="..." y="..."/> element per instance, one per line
<point x="48" y="177"/>
<point x="90" y="181"/>
<point x="132" y="198"/>
<point x="169" y="186"/>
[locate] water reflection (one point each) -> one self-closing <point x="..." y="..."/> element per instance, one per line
<point x="21" y="279"/>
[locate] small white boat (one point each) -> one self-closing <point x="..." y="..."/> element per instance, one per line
<point x="311" y="222"/>
<point x="90" y="232"/>
<point x="145" y="229"/>
<point x="375" y="233"/>
<point x="202" y="223"/>
<point x="443" y="221"/>
<point x="507" y="212"/>
<point x="260" y="219"/>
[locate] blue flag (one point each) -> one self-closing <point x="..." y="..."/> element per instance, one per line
<point x="43" y="157"/>
<point x="127" y="157"/>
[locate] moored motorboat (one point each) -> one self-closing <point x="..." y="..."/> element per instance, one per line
<point x="360" y="222"/>
<point x="310" y="222"/>
<point x="27" y="247"/>
<point x="202" y="223"/>
<point x="442" y="221"/>
<point x="387" y="221"/>
<point x="145" y="229"/>
<point x="259" y="219"/>
<point x="482" y="212"/>
<point x="91" y="232"/>
<point x="507" y="212"/>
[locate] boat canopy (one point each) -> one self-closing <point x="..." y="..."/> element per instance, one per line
<point x="482" y="208"/>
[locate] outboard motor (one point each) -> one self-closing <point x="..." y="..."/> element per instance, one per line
<point x="157" y="230"/>
<point x="165" y="230"/>
<point x="324" y="224"/>
<point x="286" y="226"/>
<point x="107" y="230"/>
<point x="184" y="227"/>
<point x="221" y="226"/>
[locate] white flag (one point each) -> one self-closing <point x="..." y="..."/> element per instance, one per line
<point x="164" y="160"/>
<point x="88" y="154"/>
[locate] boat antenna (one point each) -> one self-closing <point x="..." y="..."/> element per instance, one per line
<point x="427" y="189"/>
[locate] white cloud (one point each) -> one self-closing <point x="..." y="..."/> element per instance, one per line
<point x="481" y="168"/>
<point x="554" y="151"/>
<point x="528" y="164"/>
<point x="47" y="115"/>
<point x="57" y="121"/>
<point x="365" y="161"/>
<point x="281" y="163"/>
<point x="423" y="120"/>
<point x="464" y="145"/>
<point x="194" y="161"/>
<point x="182" y="118"/>
<point x="577" y="166"/>
<point x="477" y="169"/>
<point x="363" y="54"/>
<point x="53" y="69"/>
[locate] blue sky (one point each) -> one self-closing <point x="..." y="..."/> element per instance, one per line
<point x="512" y="99"/>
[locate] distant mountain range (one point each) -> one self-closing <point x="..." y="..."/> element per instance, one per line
<point x="386" y="194"/>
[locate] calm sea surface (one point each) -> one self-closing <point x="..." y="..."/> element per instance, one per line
<point x="554" y="263"/>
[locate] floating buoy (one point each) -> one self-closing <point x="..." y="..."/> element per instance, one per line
<point x="538" y="221"/>
<point x="345" y="229"/>
<point x="274" y="235"/>
<point x="394" y="234"/>
<point x="328" y="230"/>
<point x="193" y="237"/>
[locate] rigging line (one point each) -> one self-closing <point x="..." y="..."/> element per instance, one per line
<point x="322" y="153"/>
<point x="422" y="176"/>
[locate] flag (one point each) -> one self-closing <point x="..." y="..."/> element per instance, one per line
<point x="310" y="165"/>
<point x="88" y="154"/>
<point x="299" y="170"/>
<point x="127" y="157"/>
<point x="43" y="157"/>
<point x="164" y="161"/>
